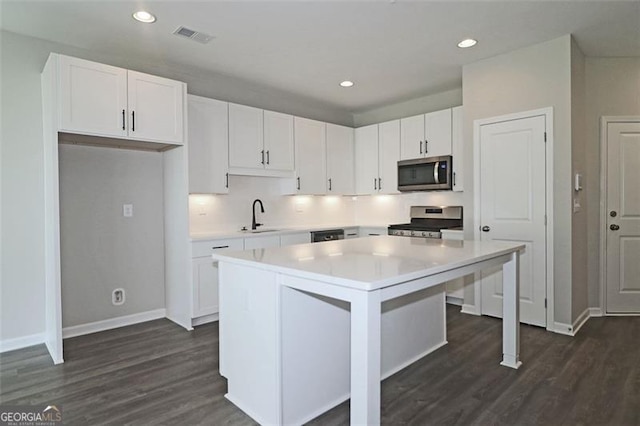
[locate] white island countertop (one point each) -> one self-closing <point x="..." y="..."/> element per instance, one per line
<point x="369" y="263"/>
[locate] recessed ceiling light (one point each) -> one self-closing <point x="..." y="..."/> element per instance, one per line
<point x="144" y="16"/>
<point x="346" y="83"/>
<point x="467" y="42"/>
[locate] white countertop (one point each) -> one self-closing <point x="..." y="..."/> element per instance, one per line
<point x="273" y="230"/>
<point x="369" y="263"/>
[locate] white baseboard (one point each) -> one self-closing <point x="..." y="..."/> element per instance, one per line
<point x="562" y="328"/>
<point x="470" y="309"/>
<point x="452" y="300"/>
<point x="595" y="312"/>
<point x="21" y="342"/>
<point x="205" y="319"/>
<point x="581" y="320"/>
<point x="108" y="324"/>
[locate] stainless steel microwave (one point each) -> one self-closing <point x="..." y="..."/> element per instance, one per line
<point x="425" y="174"/>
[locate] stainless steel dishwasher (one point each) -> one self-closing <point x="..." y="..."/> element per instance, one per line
<point x="327" y="235"/>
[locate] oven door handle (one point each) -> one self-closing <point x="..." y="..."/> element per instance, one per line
<point x="436" y="177"/>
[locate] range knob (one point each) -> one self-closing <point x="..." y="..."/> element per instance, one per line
<point x="413" y="233"/>
<point x="425" y="234"/>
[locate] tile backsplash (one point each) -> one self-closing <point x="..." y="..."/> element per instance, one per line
<point x="214" y="213"/>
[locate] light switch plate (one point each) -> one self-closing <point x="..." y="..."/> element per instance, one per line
<point x="127" y="210"/>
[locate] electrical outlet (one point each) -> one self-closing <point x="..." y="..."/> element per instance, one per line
<point x="127" y="210"/>
<point x="117" y="296"/>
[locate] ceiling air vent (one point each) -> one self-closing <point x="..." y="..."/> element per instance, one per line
<point x="193" y="35"/>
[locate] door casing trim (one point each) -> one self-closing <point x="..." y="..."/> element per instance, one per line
<point x="547" y="113"/>
<point x="604" y="127"/>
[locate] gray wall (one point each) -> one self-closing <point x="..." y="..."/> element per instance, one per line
<point x="612" y="88"/>
<point x="101" y="250"/>
<point x="579" y="234"/>
<point x="535" y="77"/>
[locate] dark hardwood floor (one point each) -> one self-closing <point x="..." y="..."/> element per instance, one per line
<point x="157" y="373"/>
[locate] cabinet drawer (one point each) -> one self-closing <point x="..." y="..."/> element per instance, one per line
<point x="205" y="248"/>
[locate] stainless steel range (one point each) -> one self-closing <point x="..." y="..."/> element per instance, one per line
<point x="427" y="221"/>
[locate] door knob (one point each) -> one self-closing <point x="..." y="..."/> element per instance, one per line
<point x="485" y="229"/>
<point x="614" y="227"/>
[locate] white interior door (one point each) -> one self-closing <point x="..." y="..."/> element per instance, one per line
<point x="513" y="208"/>
<point x="623" y="218"/>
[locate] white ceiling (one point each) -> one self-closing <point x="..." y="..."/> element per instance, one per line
<point x="394" y="51"/>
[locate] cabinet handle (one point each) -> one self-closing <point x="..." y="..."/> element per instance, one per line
<point x="218" y="247"/>
<point x="298" y="183"/>
<point x="352" y="235"/>
<point x="227" y="180"/>
<point x="123" y="120"/>
<point x="329" y="184"/>
<point x="379" y="183"/>
<point x="133" y="121"/>
<point x="262" y="153"/>
<point x="267" y="157"/>
<point x="426" y="149"/>
<point x="375" y="184"/>
<point x="454" y="178"/>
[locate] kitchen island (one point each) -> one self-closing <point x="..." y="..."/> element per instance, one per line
<point x="305" y="327"/>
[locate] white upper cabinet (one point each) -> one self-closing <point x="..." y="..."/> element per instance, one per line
<point x="377" y="154"/>
<point x="208" y="146"/>
<point x="246" y="140"/>
<point x="155" y="108"/>
<point x="93" y="98"/>
<point x="101" y="100"/>
<point x="437" y="133"/>
<point x="367" y="159"/>
<point x="310" y="139"/>
<point x="388" y="156"/>
<point x="260" y="142"/>
<point x="278" y="141"/>
<point x="412" y="137"/>
<point x="457" y="149"/>
<point x="426" y="135"/>
<point x="340" y="157"/>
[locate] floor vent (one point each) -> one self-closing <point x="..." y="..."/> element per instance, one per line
<point x="193" y="35"/>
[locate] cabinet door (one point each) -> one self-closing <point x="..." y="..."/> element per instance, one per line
<point x="205" y="289"/>
<point x="388" y="156"/>
<point x="263" y="242"/>
<point x="208" y="146"/>
<point x="412" y="137"/>
<point x="457" y="148"/>
<point x="310" y="156"/>
<point x="93" y="98"/>
<point x="350" y="233"/>
<point x="298" y="238"/>
<point x="340" y="152"/>
<point x="156" y="108"/>
<point x="246" y="147"/>
<point x="278" y="141"/>
<point x="437" y="133"/>
<point x="367" y="159"/>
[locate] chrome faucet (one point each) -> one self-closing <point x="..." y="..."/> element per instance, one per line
<point x="255" y="225"/>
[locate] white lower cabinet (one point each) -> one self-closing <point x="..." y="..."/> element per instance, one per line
<point x="351" y="233"/>
<point x="205" y="275"/>
<point x="262" y="242"/>
<point x="370" y="231"/>
<point x="297" y="238"/>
